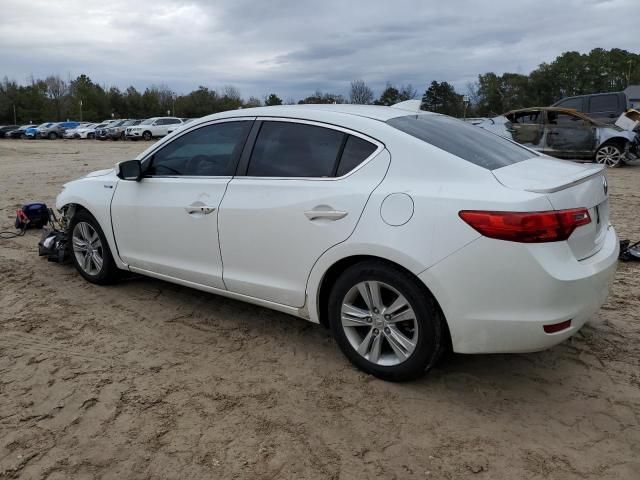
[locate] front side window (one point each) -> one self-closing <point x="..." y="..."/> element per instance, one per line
<point x="287" y="149"/>
<point x="210" y="151"/>
<point x="527" y="117"/>
<point x="463" y="140"/>
<point x="572" y="103"/>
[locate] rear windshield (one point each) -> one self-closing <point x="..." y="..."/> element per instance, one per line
<point x="468" y="142"/>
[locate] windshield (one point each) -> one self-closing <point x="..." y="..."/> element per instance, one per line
<point x="463" y="140"/>
<point x="148" y="121"/>
<point x="44" y="125"/>
<point x="118" y="124"/>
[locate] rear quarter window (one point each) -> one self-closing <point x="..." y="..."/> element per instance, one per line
<point x="603" y="103"/>
<point x="458" y="138"/>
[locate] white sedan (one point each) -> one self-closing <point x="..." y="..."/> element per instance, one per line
<point x="405" y="233"/>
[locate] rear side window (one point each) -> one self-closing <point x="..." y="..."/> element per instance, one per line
<point x="286" y="149"/>
<point x="603" y="103"/>
<point x="468" y="142"/>
<point x="356" y="151"/>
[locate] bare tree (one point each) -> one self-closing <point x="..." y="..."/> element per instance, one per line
<point x="360" y="93"/>
<point x="57" y="90"/>
<point x="253" y="102"/>
<point x="407" y="92"/>
<point x="232" y="93"/>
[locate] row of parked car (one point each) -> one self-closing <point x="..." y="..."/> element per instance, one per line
<point x="114" y="129"/>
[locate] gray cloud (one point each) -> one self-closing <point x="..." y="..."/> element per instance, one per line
<point x="295" y="47"/>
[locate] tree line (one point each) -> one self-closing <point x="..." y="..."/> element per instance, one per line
<point x="571" y="73"/>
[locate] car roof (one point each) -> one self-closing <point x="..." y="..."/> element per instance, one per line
<point x="314" y="111"/>
<point x="552" y="109"/>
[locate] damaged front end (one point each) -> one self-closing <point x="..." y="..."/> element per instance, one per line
<point x="54" y="242"/>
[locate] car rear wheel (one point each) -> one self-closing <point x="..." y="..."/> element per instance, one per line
<point x="146" y="135"/>
<point x="385" y="322"/>
<point x="611" y="155"/>
<point x="52" y="136"/>
<point x="90" y="250"/>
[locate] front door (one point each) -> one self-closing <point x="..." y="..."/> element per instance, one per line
<point x="568" y="135"/>
<point x="168" y="222"/>
<point x="304" y="190"/>
<point x="526" y="128"/>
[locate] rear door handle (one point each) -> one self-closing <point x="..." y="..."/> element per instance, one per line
<point x="199" y="209"/>
<point x="327" y="214"/>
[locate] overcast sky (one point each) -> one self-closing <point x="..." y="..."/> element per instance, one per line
<point x="293" y="47"/>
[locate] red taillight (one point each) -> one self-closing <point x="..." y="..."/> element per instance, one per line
<point x="527" y="227"/>
<point x="557" y="327"/>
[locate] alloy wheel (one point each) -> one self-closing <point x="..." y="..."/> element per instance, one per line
<point x="379" y="323"/>
<point x="610" y="155"/>
<point x="87" y="248"/>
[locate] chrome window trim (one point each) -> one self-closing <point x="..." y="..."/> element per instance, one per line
<point x="184" y="132"/>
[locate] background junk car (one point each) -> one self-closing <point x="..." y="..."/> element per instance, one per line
<point x="565" y="133"/>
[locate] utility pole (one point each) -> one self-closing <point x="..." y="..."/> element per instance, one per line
<point x="15" y="122"/>
<point x="173" y="104"/>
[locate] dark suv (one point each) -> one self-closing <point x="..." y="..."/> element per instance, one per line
<point x="602" y="107"/>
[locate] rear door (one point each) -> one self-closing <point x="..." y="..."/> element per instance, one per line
<point x="568" y="135"/>
<point x="301" y="190"/>
<point x="605" y="108"/>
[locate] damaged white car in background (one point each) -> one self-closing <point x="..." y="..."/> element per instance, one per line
<point x="565" y="133"/>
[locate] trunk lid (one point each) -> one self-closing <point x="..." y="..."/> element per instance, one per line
<point x="567" y="185"/>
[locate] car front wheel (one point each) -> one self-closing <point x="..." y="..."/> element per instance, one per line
<point x="90" y="251"/>
<point x="146" y="136"/>
<point x="385" y="321"/>
<point x="611" y="155"/>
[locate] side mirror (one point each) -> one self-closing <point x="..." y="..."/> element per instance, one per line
<point x="130" y="170"/>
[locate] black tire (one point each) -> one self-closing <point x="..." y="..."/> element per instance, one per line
<point x="430" y="342"/>
<point x="52" y="136"/>
<point x="108" y="273"/>
<point x="610" y="155"/>
<point x="146" y="135"/>
<point x="91" y="136"/>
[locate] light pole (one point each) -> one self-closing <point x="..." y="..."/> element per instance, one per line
<point x="15" y="122"/>
<point x="465" y="103"/>
<point x="80" y="110"/>
<point x="173" y="104"/>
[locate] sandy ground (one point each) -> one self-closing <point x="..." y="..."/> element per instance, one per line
<point x="145" y="379"/>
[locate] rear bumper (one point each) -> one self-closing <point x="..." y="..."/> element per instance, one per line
<point x="497" y="296"/>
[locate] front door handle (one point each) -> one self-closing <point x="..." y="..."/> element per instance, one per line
<point x="199" y="209"/>
<point x="327" y="214"/>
